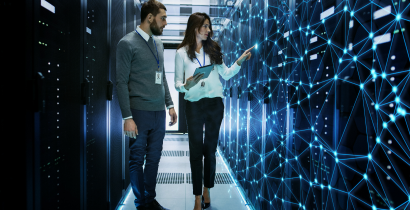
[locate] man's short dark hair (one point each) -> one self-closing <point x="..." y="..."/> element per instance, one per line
<point x="151" y="6"/>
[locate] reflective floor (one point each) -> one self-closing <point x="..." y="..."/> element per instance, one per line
<point x="179" y="196"/>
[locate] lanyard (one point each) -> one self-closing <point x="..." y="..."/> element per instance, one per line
<point x="150" y="47"/>
<point x="200" y="62"/>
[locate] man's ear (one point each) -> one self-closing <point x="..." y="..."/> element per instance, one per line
<point x="150" y="16"/>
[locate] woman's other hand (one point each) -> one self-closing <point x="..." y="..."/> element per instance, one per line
<point x="246" y="55"/>
<point x="193" y="80"/>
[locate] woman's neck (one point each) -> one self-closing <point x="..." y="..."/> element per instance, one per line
<point x="198" y="45"/>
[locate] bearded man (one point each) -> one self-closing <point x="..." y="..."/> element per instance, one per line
<point x="143" y="95"/>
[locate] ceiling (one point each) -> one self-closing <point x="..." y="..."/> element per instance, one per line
<point x="178" y="12"/>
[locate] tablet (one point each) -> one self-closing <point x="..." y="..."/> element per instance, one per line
<point x="204" y="69"/>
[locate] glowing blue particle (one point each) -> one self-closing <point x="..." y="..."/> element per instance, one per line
<point x="335" y="77"/>
<point x="315" y="180"/>
<point x="394" y="89"/>
<point x="305" y="51"/>
<point x="365" y="176"/>
<point x="345" y="51"/>
<point x="298" y="102"/>
<point x="275" y="42"/>
<point x="376" y="106"/>
<point x="397" y="100"/>
<point x="340" y="60"/>
<point x="323" y="21"/>
<point x="345" y="8"/>
<point x="378" y="139"/>
<point x="308" y="26"/>
<point x="337" y="160"/>
<point x="308" y="95"/>
<point x="392" y="117"/>
<point x="374" y="47"/>
<point x="310" y="85"/>
<point x="300" y="28"/>
<point x="296" y="157"/>
<point x="335" y="153"/>
<point x="310" y="183"/>
<point x="371" y="35"/>
<point x="351" y="13"/>
<point x="321" y="147"/>
<point x="398" y="17"/>
<point x="300" y="177"/>
<point x="265" y="175"/>
<point x="361" y="86"/>
<point x="383" y="75"/>
<point x="369" y="156"/>
<point x="355" y="58"/>
<point x="310" y="145"/>
<point x="384" y="124"/>
<point x="301" y="58"/>
<point x="256" y="46"/>
<point x="300" y="82"/>
<point x="328" y="41"/>
<point x="374" y="207"/>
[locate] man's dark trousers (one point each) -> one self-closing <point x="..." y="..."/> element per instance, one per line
<point x="148" y="142"/>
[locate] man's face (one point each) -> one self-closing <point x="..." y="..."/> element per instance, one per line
<point x="160" y="21"/>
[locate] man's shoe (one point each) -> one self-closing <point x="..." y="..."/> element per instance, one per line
<point x="154" y="205"/>
<point x="141" y="207"/>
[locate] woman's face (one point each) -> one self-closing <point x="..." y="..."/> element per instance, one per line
<point x="203" y="32"/>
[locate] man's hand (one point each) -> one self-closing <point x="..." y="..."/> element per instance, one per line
<point x="130" y="128"/>
<point x="173" y="116"/>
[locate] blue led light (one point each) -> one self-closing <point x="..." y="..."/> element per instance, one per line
<point x="345" y="8"/>
<point x="351" y="13"/>
<point x="397" y="100"/>
<point x="361" y="86"/>
<point x="328" y="41"/>
<point x="365" y="176"/>
<point x="371" y="35"/>
<point x="398" y="17"/>
<point x="376" y="106"/>
<point x="355" y="58"/>
<point x="394" y="89"/>
<point x="345" y="51"/>
<point x="378" y="139"/>
<point x="384" y="124"/>
<point x="369" y="156"/>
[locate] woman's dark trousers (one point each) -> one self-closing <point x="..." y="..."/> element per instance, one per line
<point x="208" y="111"/>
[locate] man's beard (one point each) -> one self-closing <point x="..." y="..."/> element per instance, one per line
<point x="155" y="29"/>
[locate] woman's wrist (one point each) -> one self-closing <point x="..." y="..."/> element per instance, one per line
<point x="237" y="62"/>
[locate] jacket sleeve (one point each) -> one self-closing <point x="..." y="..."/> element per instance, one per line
<point x="168" y="99"/>
<point x="179" y="74"/>
<point x="123" y="68"/>
<point x="228" y="73"/>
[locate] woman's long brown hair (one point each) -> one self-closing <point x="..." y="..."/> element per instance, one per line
<point x="211" y="48"/>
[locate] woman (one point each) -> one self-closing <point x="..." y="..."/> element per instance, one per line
<point x="204" y="103"/>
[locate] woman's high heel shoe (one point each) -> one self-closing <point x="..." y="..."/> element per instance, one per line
<point x="205" y="205"/>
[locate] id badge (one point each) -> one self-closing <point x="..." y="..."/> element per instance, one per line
<point x="158" y="76"/>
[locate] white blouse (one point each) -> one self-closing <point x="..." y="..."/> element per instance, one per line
<point x="185" y="68"/>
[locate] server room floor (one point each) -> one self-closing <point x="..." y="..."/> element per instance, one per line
<point x="174" y="167"/>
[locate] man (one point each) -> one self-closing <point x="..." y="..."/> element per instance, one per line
<point x="143" y="94"/>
